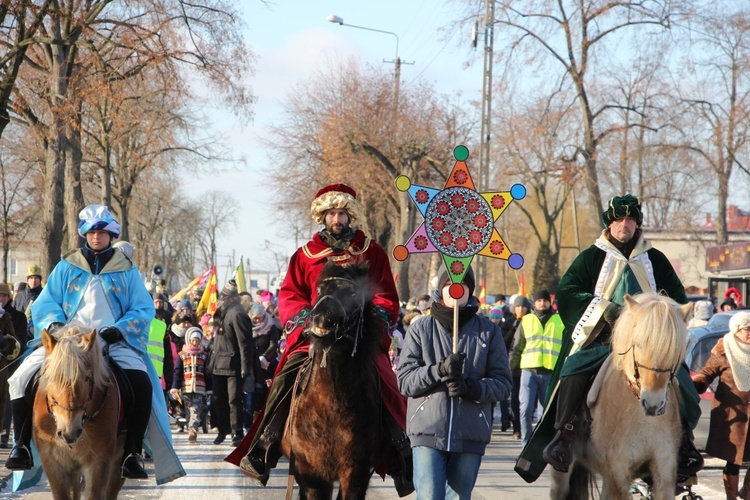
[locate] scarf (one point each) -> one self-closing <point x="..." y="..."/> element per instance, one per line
<point x="444" y="314"/>
<point x="193" y="350"/>
<point x="178" y="330"/>
<point x="625" y="248"/>
<point x="339" y="243"/>
<point x="738" y="354"/>
<point x="263" y="327"/>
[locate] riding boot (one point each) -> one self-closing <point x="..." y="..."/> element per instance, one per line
<point x="399" y="463"/>
<point x="559" y="452"/>
<point x="689" y="459"/>
<point x="20" y="456"/>
<point x="264" y="452"/>
<point x="138" y="417"/>
<point x="731" y="485"/>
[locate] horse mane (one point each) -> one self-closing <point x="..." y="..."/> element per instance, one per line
<point x="73" y="359"/>
<point x="637" y="325"/>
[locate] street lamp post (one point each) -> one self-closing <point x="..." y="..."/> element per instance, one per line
<point x="397" y="61"/>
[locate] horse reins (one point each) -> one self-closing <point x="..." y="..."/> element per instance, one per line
<point x="86" y="417"/>
<point x="636" y="374"/>
<point x="356" y="315"/>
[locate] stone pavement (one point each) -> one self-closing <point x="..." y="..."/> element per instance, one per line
<point x="208" y="476"/>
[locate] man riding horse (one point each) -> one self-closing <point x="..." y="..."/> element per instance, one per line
<point x="100" y="288"/>
<point x="590" y="297"/>
<point x="335" y="207"/>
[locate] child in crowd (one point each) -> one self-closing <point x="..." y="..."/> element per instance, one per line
<point x="189" y="376"/>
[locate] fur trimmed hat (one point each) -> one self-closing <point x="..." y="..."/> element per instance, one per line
<point x="335" y="196"/>
<point x="623" y="206"/>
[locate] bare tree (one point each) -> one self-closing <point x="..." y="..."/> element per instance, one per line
<point x="338" y="127"/>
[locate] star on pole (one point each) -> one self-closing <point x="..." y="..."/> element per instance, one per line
<point x="459" y="222"/>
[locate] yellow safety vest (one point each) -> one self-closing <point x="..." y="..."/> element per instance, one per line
<point x="542" y="344"/>
<point x="155" y="346"/>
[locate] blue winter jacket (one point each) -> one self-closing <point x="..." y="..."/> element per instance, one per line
<point x="433" y="418"/>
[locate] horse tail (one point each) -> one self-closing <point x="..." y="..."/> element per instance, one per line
<point x="581" y="482"/>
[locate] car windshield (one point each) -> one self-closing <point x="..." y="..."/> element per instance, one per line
<point x="702" y="351"/>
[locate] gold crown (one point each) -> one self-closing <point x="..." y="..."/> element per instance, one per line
<point x="34" y="270"/>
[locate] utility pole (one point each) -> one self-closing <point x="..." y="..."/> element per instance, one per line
<point x="484" y="151"/>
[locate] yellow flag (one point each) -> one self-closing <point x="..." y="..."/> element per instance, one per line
<point x="239" y="277"/>
<point x="209" y="300"/>
<point x="197" y="282"/>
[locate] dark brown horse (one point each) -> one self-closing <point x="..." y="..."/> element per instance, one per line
<point x="334" y="429"/>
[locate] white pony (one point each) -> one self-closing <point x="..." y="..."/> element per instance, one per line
<point x="632" y="423"/>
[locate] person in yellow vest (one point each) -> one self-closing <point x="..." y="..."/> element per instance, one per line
<point x="537" y="344"/>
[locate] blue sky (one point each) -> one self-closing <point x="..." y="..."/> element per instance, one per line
<point x="292" y="39"/>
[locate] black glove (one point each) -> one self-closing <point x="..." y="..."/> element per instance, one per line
<point x="611" y="313"/>
<point x="452" y="366"/>
<point x="53" y="327"/>
<point x="464" y="387"/>
<point x="110" y="334"/>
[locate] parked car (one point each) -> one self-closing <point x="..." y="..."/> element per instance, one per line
<point x="701" y="339"/>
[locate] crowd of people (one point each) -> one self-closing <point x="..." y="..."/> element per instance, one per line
<point x="232" y="371"/>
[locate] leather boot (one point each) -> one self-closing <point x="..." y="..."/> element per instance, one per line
<point x="132" y="467"/>
<point x="559" y="452"/>
<point x="731" y="484"/>
<point x="689" y="459"/>
<point x="20" y="456"/>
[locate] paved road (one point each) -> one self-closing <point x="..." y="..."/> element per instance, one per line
<point x="209" y="477"/>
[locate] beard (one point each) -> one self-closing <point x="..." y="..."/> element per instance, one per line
<point x="338" y="229"/>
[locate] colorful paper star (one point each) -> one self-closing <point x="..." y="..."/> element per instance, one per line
<point x="459" y="222"/>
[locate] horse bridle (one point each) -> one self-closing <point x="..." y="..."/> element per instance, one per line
<point x="636" y="374"/>
<point x="86" y="417"/>
<point x="352" y="333"/>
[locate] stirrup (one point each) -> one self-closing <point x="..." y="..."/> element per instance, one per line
<point x="256" y="469"/>
<point x="127" y="473"/>
<point x="20" y="463"/>
<point x="559" y="452"/>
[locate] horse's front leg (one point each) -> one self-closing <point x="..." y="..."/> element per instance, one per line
<point x="353" y="485"/>
<point x="560" y="485"/>
<point x="96" y="479"/>
<point x="615" y="486"/>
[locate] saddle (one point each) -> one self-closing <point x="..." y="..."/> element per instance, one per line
<point x="597" y="383"/>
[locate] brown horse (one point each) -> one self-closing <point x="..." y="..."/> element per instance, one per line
<point x="76" y="418"/>
<point x="334" y="429"/>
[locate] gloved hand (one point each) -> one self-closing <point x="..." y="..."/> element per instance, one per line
<point x="611" y="313"/>
<point x="110" y="334"/>
<point x="452" y="366"/>
<point x="464" y="387"/>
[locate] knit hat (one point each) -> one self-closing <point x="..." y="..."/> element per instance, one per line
<point x="542" y="294"/>
<point x="97" y="217"/>
<point x="520" y="300"/>
<point x="496" y="313"/>
<point x="703" y="310"/>
<point x="205" y="319"/>
<point x="229" y="290"/>
<point x="34" y="270"/>
<point x="623" y="206"/>
<point x="257" y="309"/>
<point x="193" y="332"/>
<point x="468" y="280"/>
<point x="160" y="296"/>
<point x="125" y="247"/>
<point x="739" y="321"/>
<point x="186" y="303"/>
<point x="335" y="196"/>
